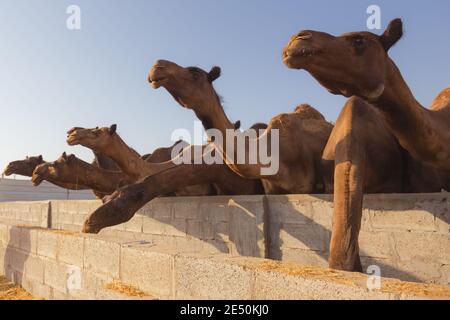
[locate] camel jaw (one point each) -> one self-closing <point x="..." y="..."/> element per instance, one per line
<point x="37" y="179"/>
<point x="158" y="82"/>
<point x="9" y="171"/>
<point x="72" y="140"/>
<point x="300" y="56"/>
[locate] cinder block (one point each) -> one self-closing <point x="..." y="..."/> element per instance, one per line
<point x="41" y="291"/>
<point x="422" y="270"/>
<point x="306" y="257"/>
<point x="282" y="210"/>
<point x="375" y="244"/>
<point x="215" y="246"/>
<point x="213" y="210"/>
<point x="414" y="220"/>
<point x="162" y="209"/>
<point x="134" y="225"/>
<point x="206" y="278"/>
<point x="155" y="226"/>
<point x="148" y="270"/>
<point x="187" y="245"/>
<point x="58" y="295"/>
<point x="194" y="228"/>
<point x="71" y="249"/>
<point x="47" y="244"/>
<point x="14" y="237"/>
<point x="186" y="209"/>
<point x="87" y="286"/>
<point x="276" y="286"/>
<point x="28" y="240"/>
<point x="304" y="236"/>
<point x="34" y="267"/>
<point x="176" y="228"/>
<point x="246" y="231"/>
<point x="425" y="246"/>
<point x="4" y="234"/>
<point x="222" y="231"/>
<point x="56" y="275"/>
<point x="102" y="256"/>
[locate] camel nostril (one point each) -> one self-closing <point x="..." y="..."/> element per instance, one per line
<point x="161" y="63"/>
<point x="303" y="35"/>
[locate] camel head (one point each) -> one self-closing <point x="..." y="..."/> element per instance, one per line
<point x="351" y="64"/>
<point x="190" y="86"/>
<point x="23" y="167"/>
<point x="63" y="167"/>
<point x="94" y="139"/>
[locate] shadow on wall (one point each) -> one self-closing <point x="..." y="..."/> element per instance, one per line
<point x="304" y="234"/>
<point x="17" y="253"/>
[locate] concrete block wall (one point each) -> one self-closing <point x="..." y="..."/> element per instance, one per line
<point x="54" y="264"/>
<point x="407" y="236"/>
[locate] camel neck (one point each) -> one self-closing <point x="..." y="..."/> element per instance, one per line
<point x="397" y="102"/>
<point x="96" y="178"/>
<point x="126" y="158"/>
<point x="215" y="117"/>
<point x="418" y="130"/>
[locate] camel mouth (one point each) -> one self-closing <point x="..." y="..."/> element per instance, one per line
<point x="9" y="170"/>
<point x="37" y="179"/>
<point x="72" y="139"/>
<point x="299" y="55"/>
<point x="157" y="82"/>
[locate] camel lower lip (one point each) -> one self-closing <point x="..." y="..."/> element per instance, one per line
<point x="71" y="140"/>
<point x="36" y="181"/>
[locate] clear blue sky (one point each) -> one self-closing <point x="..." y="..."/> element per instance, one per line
<point x="52" y="79"/>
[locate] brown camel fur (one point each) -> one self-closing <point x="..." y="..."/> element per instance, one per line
<point x="23" y="167"/>
<point x="368" y="157"/>
<point x="28" y="165"/>
<point x="358" y="64"/>
<point x="124" y="203"/>
<point x="106" y="139"/>
<point x="107" y="142"/>
<point x="70" y="169"/>
<point x="302" y="137"/>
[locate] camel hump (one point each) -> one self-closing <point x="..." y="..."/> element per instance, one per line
<point x="442" y="100"/>
<point x="308" y="112"/>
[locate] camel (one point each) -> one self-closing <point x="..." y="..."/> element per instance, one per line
<point x="70" y="169"/>
<point x="302" y="134"/>
<point x="300" y="168"/>
<point x="125" y="202"/>
<point x="358" y="64"/>
<point x="107" y="140"/>
<point x="27" y="166"/>
<point x="367" y="153"/>
<point x="23" y="167"/>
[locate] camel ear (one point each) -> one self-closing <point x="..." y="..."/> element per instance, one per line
<point x="237" y="125"/>
<point x="112" y="129"/>
<point x="214" y="74"/>
<point x="64" y="156"/>
<point x="40" y="158"/>
<point x="392" y="34"/>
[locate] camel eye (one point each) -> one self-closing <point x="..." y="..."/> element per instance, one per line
<point x="359" y="41"/>
<point x="195" y="75"/>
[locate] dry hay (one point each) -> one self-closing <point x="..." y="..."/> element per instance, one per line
<point x="126" y="289"/>
<point x="354" y="279"/>
<point x="9" y="291"/>
<point x="55" y="231"/>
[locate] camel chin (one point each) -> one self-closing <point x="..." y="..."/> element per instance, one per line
<point x="37" y="180"/>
